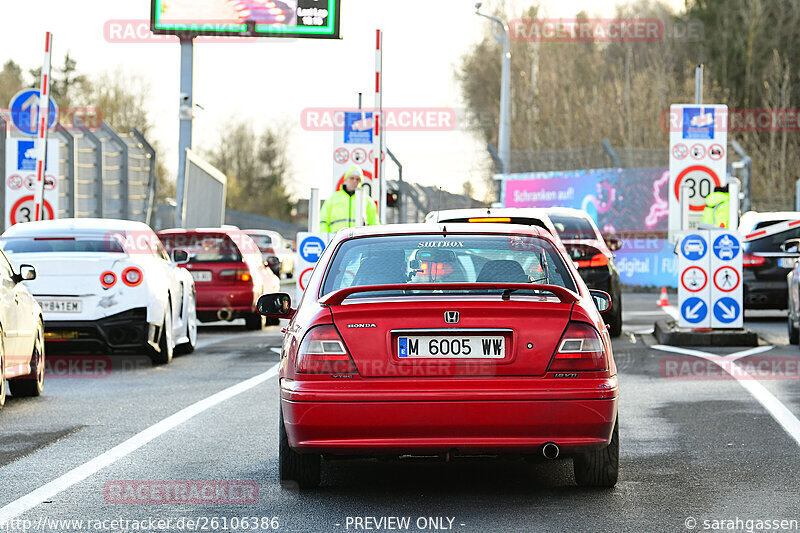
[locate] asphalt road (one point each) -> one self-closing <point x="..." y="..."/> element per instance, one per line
<point x="696" y="446"/>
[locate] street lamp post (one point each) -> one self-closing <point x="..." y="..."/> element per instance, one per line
<point x="503" y="136"/>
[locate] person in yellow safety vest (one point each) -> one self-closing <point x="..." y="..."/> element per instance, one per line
<point x="717" y="206"/>
<point x="339" y="211"/>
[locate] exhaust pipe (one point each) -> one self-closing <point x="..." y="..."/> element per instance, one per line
<point x="225" y="314"/>
<point x="551" y="450"/>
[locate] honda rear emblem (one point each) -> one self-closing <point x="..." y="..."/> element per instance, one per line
<point x="451" y="317"/>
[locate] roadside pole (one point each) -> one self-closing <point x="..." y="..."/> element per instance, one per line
<point x="379" y="133"/>
<point x="44" y="115"/>
<point x="185" y="122"/>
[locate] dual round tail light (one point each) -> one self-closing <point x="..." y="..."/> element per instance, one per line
<point x="132" y="276"/>
<point x="108" y="279"/>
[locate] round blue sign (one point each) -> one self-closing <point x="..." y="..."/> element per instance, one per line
<point x="726" y="247"/>
<point x="726" y="310"/>
<point x="694" y="310"/>
<point x="24" y="109"/>
<point x="693" y="247"/>
<point x="311" y="248"/>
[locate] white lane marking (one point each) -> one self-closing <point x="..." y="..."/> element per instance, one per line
<point x="672" y="311"/>
<point x="79" y="473"/>
<point x="646" y="331"/>
<point x="774" y="407"/>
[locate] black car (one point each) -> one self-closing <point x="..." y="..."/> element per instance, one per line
<point x="765" y="261"/>
<point x="593" y="256"/>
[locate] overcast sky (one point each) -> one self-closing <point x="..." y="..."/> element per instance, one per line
<point x="273" y="80"/>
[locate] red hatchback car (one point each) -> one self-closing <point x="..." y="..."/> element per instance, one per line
<point x="456" y="339"/>
<point x="228" y="270"/>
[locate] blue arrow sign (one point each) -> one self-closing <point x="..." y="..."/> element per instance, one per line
<point x="311" y="248"/>
<point x="25" y="111"/>
<point x="693" y="247"/>
<point x="726" y="310"/>
<point x="694" y="310"/>
<point x="726" y="247"/>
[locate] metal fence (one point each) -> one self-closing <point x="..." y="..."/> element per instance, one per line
<point x="100" y="173"/>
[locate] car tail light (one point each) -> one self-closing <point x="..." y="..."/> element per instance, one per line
<point x="132" y="276"/>
<point x="108" y="279"/>
<point x="581" y="348"/>
<point x="323" y="352"/>
<point x="237" y="274"/>
<point x="489" y="219"/>
<point x="269" y="250"/>
<point x="750" y="260"/>
<point x="597" y="260"/>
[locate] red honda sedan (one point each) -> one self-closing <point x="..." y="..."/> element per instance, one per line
<point x="228" y="270"/>
<point x="446" y="340"/>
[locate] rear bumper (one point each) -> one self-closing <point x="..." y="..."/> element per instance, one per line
<point x="211" y="299"/>
<point x="765" y="294"/>
<point x="486" y="422"/>
<point x="128" y="330"/>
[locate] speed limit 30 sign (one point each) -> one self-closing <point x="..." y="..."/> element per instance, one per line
<point x="20" y="180"/>
<point x="698" y="135"/>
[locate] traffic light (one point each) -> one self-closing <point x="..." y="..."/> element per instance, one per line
<point x="392" y="198"/>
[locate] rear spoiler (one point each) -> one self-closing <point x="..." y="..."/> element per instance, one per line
<point x="565" y="295"/>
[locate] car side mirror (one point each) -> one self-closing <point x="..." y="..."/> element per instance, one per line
<point x="613" y="243"/>
<point x="791" y="246"/>
<point x="601" y="300"/>
<point x="180" y="256"/>
<point x="26" y="273"/>
<point x="276" y="305"/>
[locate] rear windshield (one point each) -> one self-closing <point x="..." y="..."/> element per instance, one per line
<point x="771" y="243"/>
<point x="573" y="227"/>
<point x="28" y="245"/>
<point x="523" y="221"/>
<point x="204" y="248"/>
<point x="456" y="258"/>
<point x="262" y="241"/>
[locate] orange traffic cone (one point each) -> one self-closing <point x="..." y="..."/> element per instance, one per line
<point x="663" y="301"/>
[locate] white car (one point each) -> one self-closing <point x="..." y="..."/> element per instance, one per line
<point x="107" y="285"/>
<point x="272" y="243"/>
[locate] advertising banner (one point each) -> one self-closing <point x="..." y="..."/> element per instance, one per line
<point x="631" y="203"/>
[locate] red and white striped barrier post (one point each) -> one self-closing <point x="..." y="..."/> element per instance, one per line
<point x="378" y="125"/>
<point x="44" y="115"/>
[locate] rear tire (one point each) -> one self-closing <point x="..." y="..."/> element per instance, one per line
<point x="191" y="329"/>
<point x="794" y="332"/>
<point x="2" y="373"/>
<point x="32" y="384"/>
<point x="599" y="468"/>
<point x="615" y="320"/>
<point x="303" y="469"/>
<point x="254" y="321"/>
<point x="165" y="347"/>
